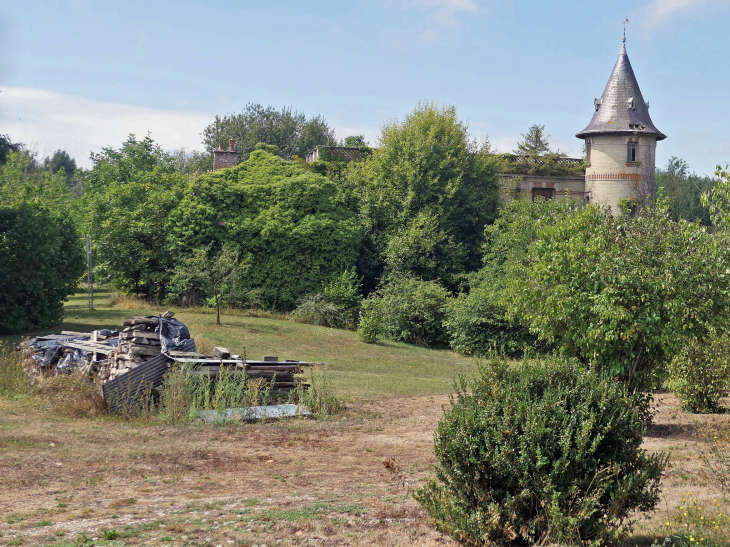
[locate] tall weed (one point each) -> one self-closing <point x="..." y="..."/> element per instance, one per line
<point x="319" y="397"/>
<point x="13" y="379"/>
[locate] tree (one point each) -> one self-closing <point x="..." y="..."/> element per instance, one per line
<point x="534" y="143"/>
<point x="7" y="146"/>
<point x="621" y="293"/>
<point x="289" y="130"/>
<point x="291" y="223"/>
<point x="216" y="274"/>
<point x="684" y="191"/>
<point x="424" y="197"/>
<point x="129" y="194"/>
<point x="61" y="160"/>
<point x="717" y="199"/>
<point x="355" y="140"/>
<point x="41" y="255"/>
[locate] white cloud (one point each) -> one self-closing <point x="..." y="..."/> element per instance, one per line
<point x="47" y="120"/>
<point x="660" y="11"/>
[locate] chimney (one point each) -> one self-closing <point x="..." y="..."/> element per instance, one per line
<point x="223" y="158"/>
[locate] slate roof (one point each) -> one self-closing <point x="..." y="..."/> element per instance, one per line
<point x="621" y="110"/>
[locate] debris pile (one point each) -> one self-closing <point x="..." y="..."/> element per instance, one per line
<point x="141" y="340"/>
<point x="130" y="365"/>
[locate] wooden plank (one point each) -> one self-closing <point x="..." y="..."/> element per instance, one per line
<point x="87" y="346"/>
<point x="74" y="333"/>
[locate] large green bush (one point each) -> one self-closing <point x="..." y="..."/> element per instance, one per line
<point x="547" y="452"/>
<point x="406" y="310"/>
<point x="700" y="374"/>
<point x="41" y="260"/>
<point x="291" y="224"/>
<point x="621" y="292"/>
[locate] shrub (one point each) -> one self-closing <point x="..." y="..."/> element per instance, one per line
<point x="476" y="325"/>
<point x="411" y="311"/>
<point x="315" y="310"/>
<point x="371" y="322"/>
<point x="621" y="292"/>
<point x="544" y="452"/>
<point x="698" y="374"/>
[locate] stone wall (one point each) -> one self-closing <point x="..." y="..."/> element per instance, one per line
<point x="567" y="187"/>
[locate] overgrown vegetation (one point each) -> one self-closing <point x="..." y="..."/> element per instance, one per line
<point x="700" y="374"/>
<point x="544" y="452"/>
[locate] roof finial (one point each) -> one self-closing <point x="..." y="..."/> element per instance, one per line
<point x="624" y="22"/>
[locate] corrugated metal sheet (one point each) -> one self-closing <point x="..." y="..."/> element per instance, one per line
<point x="128" y="391"/>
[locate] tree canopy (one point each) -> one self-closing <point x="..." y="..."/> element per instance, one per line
<point x="290" y="131"/>
<point x="424" y="196"/>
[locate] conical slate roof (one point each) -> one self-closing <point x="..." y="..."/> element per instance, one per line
<point x="621" y="109"/>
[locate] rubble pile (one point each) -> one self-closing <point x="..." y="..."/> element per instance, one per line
<point x="130" y="365"/>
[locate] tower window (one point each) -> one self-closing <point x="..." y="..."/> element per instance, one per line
<point x="588" y="152"/>
<point x="631" y="152"/>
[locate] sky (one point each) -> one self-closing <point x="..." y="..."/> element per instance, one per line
<point x="80" y="75"/>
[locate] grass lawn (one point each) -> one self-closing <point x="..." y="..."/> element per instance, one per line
<point x="357" y="370"/>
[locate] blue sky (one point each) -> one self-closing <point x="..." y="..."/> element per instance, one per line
<point x="81" y="74"/>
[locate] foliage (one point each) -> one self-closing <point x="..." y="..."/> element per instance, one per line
<point x="319" y="397"/>
<point x="546" y="452"/>
<point x="370" y="327"/>
<point x="290" y="223"/>
<point x="19" y="183"/>
<point x="700" y="374"/>
<point x="424" y="197"/>
<point x="61" y="160"/>
<point x="289" y="130"/>
<point x="717" y="199"/>
<point x="337" y="306"/>
<point x="476" y="325"/>
<point x="344" y="290"/>
<point x="620" y="293"/>
<point x="684" y="191"/>
<point x="693" y="525"/>
<point x="476" y="321"/>
<point x="355" y="140"/>
<point x="193" y="163"/>
<point x="128" y="196"/>
<point x="317" y="310"/>
<point x="6" y="147"/>
<point x="534" y="143"/>
<point x="411" y="310"/>
<point x="13" y="380"/>
<point x="217" y="274"/>
<point x="41" y="260"/>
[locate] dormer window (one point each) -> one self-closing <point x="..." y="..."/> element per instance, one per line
<point x="632" y="104"/>
<point x="597" y="104"/>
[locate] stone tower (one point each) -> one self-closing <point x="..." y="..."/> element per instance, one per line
<point x="620" y="141"/>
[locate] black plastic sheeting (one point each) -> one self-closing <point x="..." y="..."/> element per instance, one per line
<point x="173" y="334"/>
<point x="48" y="353"/>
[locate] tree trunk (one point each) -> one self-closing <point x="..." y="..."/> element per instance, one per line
<point x="218" y="310"/>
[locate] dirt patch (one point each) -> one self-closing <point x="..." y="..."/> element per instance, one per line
<point x="347" y="481"/>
